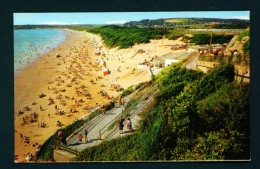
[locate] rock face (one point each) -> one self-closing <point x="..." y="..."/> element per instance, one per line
<point x="235" y="44"/>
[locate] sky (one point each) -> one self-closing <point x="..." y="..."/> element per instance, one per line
<point x="116" y="17"/>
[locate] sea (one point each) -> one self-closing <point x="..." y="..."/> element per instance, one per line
<point x="31" y="43"/>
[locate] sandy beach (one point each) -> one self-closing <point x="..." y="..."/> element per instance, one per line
<point x="67" y="79"/>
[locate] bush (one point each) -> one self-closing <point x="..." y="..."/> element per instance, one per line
<point x="205" y="38"/>
<point x="125" y="37"/>
<point x="243" y="34"/>
<point x="246" y="46"/>
<point x="174" y="37"/>
<point x="200" y="39"/>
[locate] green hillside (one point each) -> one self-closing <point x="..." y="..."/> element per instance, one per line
<point x="125" y="37"/>
<point x="194" y="116"/>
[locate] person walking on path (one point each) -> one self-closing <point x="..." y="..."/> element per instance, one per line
<point x="121" y="125"/>
<point x="103" y="110"/>
<point x="234" y="60"/>
<point x="86" y="135"/>
<point x="129" y="125"/>
<point x="62" y="137"/>
<point x="119" y="101"/>
<point x="122" y="101"/>
<point x="80" y="138"/>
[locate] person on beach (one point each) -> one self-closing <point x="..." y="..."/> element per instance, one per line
<point x="80" y="138"/>
<point x="58" y="123"/>
<point x="129" y="125"/>
<point x="121" y="125"/>
<point x="86" y="135"/>
<point x="21" y="136"/>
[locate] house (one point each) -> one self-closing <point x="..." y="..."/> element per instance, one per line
<point x="169" y="58"/>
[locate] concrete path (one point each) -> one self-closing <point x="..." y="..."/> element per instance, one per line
<point x="93" y="128"/>
<point x="97" y="127"/>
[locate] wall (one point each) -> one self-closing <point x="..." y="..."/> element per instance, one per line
<point x="62" y="156"/>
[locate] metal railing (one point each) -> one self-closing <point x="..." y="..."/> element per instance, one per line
<point x="133" y="109"/>
<point x="244" y="60"/>
<point x="62" y="147"/>
<point x="104" y="129"/>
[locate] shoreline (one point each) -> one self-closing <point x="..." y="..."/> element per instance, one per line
<point x="37" y="52"/>
<point x="73" y="68"/>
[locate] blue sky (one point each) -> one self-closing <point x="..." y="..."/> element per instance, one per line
<point x="116" y="17"/>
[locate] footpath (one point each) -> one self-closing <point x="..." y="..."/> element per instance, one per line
<point x="93" y="127"/>
<point x="97" y="127"/>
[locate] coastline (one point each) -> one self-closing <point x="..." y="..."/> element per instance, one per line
<point x="31" y="50"/>
<point x="77" y="50"/>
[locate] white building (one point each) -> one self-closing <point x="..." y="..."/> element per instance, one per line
<point x="170" y="58"/>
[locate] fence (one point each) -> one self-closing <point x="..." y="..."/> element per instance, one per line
<point x="62" y="147"/>
<point x="244" y="60"/>
<point x="132" y="109"/>
<point x="104" y="129"/>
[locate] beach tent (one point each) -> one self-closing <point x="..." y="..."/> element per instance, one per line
<point x="105" y="70"/>
<point x="97" y="52"/>
<point x="101" y="61"/>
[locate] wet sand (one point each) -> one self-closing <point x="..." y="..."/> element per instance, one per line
<point x="52" y="76"/>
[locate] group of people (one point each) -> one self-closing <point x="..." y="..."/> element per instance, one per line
<point x="128" y="125"/>
<point x="85" y="134"/>
<point x="234" y="57"/>
<point x="122" y="101"/>
<point x="120" y="124"/>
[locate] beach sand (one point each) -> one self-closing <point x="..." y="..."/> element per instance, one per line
<point x="49" y="72"/>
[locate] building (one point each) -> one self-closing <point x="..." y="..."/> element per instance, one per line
<point x="169" y="58"/>
<point x="197" y="48"/>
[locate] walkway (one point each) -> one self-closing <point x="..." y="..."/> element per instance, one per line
<point x="93" y="128"/>
<point x="102" y="122"/>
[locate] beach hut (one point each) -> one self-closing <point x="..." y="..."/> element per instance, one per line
<point x="105" y="71"/>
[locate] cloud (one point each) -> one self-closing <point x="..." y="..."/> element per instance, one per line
<point x="58" y="23"/>
<point x="116" y="22"/>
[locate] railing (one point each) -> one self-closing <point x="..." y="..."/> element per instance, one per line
<point x="104" y="129"/>
<point x="62" y="147"/>
<point x="244" y="60"/>
<point x="130" y="111"/>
